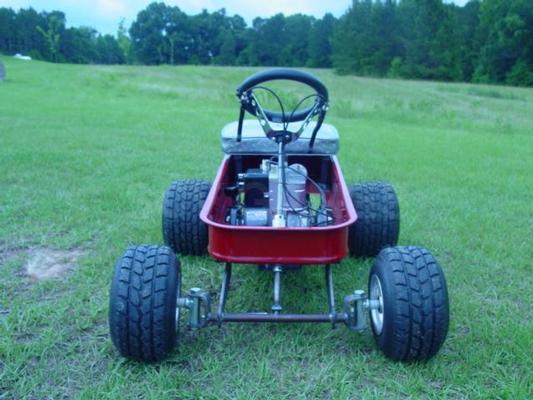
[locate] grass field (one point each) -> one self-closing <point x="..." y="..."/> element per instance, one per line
<point x="86" y="153"/>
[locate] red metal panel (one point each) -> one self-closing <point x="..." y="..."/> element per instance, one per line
<point x="268" y="245"/>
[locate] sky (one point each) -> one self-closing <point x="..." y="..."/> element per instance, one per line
<point x="105" y="15"/>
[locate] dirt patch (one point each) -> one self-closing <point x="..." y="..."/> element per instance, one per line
<point x="44" y="263"/>
<point x="7" y="253"/>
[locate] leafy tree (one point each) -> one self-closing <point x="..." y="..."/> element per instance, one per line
<point x="124" y="42"/>
<point x="385" y="35"/>
<point x="28" y="38"/>
<point x="150" y="33"/>
<point x="108" y="50"/>
<point x="7" y="30"/>
<point x="319" y="47"/>
<point x="520" y="75"/>
<point x="349" y="38"/>
<point x="52" y="35"/>
<point x="266" y="40"/>
<point x="228" y="47"/>
<point x="205" y="30"/>
<point x="237" y="25"/>
<point x="366" y="40"/>
<point x="506" y="29"/>
<point x="466" y="27"/>
<point x="78" y="45"/>
<point x="427" y="39"/>
<point x="295" y="38"/>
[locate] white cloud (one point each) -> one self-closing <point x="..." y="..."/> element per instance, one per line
<point x="115" y="8"/>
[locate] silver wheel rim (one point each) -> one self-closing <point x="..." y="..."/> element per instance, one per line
<point x="376" y="314"/>
<point x="178" y="309"/>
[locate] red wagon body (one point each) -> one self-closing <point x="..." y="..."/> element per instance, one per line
<point x="269" y="245"/>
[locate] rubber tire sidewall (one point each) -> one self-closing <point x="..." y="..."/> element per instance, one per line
<point x="384" y="340"/>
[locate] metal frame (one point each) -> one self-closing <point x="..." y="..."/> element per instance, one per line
<point x="198" y="302"/>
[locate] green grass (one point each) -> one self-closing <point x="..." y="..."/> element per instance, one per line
<point x="87" y="151"/>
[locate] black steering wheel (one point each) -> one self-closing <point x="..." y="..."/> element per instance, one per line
<point x="245" y="89"/>
<point x="250" y="103"/>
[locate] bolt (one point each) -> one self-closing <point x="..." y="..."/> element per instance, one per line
<point x="183" y="302"/>
<point x="195" y="291"/>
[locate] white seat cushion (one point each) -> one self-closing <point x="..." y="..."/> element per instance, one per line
<point x="254" y="141"/>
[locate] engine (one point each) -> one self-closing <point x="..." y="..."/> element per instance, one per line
<point x="257" y="197"/>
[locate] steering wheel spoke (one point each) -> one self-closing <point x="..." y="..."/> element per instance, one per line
<point x="261" y="116"/>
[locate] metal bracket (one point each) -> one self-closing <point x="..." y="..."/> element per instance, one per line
<point x="331" y="295"/>
<point x="223" y="293"/>
<point x="276" y="306"/>
<point x="198" y="302"/>
<point x="283" y="136"/>
<point x="354" y="308"/>
<point x="260" y="114"/>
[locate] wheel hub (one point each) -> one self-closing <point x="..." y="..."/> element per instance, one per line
<point x="376" y="295"/>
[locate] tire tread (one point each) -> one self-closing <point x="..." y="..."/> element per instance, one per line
<point x="183" y="230"/>
<point x="420" y="313"/>
<point x="142" y="303"/>
<point x="378" y="218"/>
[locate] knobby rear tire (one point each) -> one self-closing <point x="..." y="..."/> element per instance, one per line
<point x="378" y="218"/>
<point x="183" y="230"/>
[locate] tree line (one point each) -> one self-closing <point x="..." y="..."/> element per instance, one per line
<point x="44" y="36"/>
<point x="487" y="41"/>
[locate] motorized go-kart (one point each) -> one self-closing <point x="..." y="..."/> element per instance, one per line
<point x="279" y="201"/>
